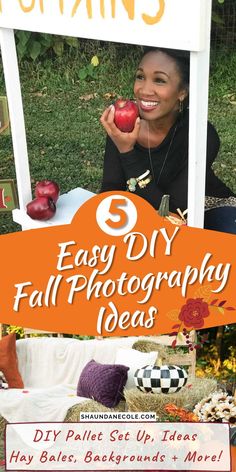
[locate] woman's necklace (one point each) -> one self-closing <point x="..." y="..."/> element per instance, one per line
<point x="166" y="156"/>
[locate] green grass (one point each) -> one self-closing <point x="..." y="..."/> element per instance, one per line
<point x="64" y="135"/>
<point x="222" y="113"/>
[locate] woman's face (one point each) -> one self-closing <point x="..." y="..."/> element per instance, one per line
<point x="157" y="87"/>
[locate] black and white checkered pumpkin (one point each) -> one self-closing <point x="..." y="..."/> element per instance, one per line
<point x="163" y="379"/>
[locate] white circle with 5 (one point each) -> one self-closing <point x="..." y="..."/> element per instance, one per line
<point x="116" y="215"/>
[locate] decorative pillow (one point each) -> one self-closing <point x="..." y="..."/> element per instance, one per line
<point x="3" y="382"/>
<point x="103" y="382"/>
<point x="134" y="360"/>
<point x="9" y="362"/>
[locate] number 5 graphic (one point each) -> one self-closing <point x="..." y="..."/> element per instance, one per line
<point x="115" y="210"/>
<point x="116" y="215"/>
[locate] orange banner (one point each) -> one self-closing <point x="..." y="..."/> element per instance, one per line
<point x="118" y="269"/>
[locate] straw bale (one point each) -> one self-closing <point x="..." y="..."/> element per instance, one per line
<point x="187" y="397"/>
<point x="3" y="423"/>
<point x="73" y="414"/>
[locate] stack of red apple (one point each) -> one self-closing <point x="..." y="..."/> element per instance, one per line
<point x="43" y="207"/>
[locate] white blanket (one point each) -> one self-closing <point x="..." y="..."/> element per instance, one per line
<point x="36" y="405"/>
<point x="46" y="362"/>
<point x="50" y="369"/>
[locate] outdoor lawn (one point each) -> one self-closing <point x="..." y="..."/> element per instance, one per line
<point x="64" y="97"/>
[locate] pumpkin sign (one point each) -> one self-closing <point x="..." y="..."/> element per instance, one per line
<point x="163" y="379"/>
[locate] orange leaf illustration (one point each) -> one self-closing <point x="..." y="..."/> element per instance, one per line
<point x="203" y="292"/>
<point x="173" y="315"/>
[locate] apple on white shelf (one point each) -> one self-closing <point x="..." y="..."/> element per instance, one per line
<point x="41" y="208"/>
<point x="47" y="188"/>
<point x="126" y="114"/>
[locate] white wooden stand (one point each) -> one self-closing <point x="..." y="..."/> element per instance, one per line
<point x="67" y="206"/>
<point x="13" y="88"/>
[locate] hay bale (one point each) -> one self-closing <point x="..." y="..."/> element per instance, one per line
<point x="3" y="423"/>
<point x="187" y="397"/>
<point x="73" y="414"/>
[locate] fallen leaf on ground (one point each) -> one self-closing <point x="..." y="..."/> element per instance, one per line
<point x="38" y="94"/>
<point x="88" y="97"/>
<point x="109" y="95"/>
<point x="95" y="61"/>
<point x="231" y="97"/>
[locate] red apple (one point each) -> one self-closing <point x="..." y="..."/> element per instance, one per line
<point x="47" y="188"/>
<point x="126" y="113"/>
<point x="41" y="208"/>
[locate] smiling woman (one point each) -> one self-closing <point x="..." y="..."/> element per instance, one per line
<point x="158" y="144"/>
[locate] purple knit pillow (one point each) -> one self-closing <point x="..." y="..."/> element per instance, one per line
<point x="103" y="382"/>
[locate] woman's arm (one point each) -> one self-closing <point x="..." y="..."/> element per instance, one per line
<point x="121" y="161"/>
<point x="113" y="174"/>
<point x="213" y="144"/>
<point x="214" y="186"/>
<point x="119" y="167"/>
<point x="114" y="177"/>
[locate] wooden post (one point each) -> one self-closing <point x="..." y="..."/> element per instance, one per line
<point x="13" y="88"/>
<point x="198" y="105"/>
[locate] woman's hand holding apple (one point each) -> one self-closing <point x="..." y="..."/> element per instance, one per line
<point x="124" y="141"/>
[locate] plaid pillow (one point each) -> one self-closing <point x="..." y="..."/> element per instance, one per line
<point x="3" y="382"/>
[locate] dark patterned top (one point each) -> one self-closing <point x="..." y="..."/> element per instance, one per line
<point x="119" y="167"/>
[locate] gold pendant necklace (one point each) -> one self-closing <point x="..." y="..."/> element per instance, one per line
<point x="166" y="156"/>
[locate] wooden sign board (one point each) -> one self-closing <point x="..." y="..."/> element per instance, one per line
<point x="8" y="195"/>
<point x="167" y="23"/>
<point x="4" y="116"/>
